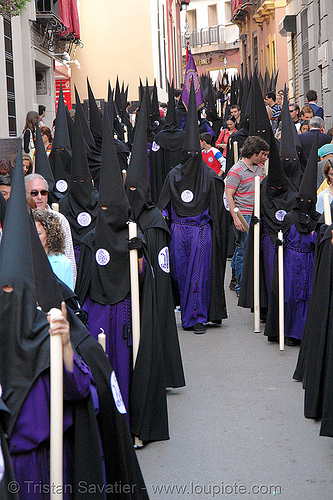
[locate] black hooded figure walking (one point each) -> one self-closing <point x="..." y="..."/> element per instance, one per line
<point x="60" y="156"/>
<point x="299" y="242"/>
<point x="166" y="150"/>
<point x="192" y="198"/>
<point x="79" y="205"/>
<point x="157" y="238"/>
<point x="120" y="461"/>
<point x="24" y="368"/>
<point x="103" y="290"/>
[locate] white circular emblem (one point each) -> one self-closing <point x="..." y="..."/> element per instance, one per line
<point x="280" y="215"/>
<point x="187" y="196"/>
<point x="61" y="186"/>
<point x="225" y="201"/>
<point x="117" y="394"/>
<point x="102" y="257"/>
<point x="155" y="147"/>
<point x="84" y="219"/>
<point x="163" y="259"/>
<point x="210" y="159"/>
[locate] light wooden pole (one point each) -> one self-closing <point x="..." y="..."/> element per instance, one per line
<point x="281" y="293"/>
<point x="102" y="339"/>
<point x="327" y="209"/>
<point x="235" y="151"/>
<point x="241" y="218"/>
<point x="256" y="256"/>
<point x="134" y="272"/>
<point x="56" y="410"/>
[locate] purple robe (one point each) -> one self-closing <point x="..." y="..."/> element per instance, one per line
<point x="29" y="442"/>
<point x="298" y="271"/>
<point x="116" y="322"/>
<point x="76" y="254"/>
<point x="190" y="264"/>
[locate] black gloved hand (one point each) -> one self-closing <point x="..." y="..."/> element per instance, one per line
<point x="136" y="244"/>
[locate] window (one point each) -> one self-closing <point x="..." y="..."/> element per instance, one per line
<point x="11" y="108"/>
<point x="192" y="19"/>
<point x="212" y="15"/>
<point x="305" y="50"/>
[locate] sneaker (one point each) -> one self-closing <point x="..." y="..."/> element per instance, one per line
<point x="199" y="328"/>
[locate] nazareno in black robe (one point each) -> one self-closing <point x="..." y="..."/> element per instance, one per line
<point x="315" y="365"/>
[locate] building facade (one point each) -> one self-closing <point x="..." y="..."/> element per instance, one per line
<point x="261" y="44"/>
<point x="36" y="51"/>
<point x="310" y="51"/>
<point x="130" y="39"/>
<point x="213" y="39"/>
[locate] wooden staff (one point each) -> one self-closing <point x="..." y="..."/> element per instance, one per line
<point x="102" y="339"/>
<point x="56" y="410"/>
<point x="55" y="207"/>
<point x="125" y="134"/>
<point x="134" y="272"/>
<point x="327" y="209"/>
<point x="235" y="152"/>
<point x="256" y="253"/>
<point x="241" y="218"/>
<point x="281" y="293"/>
<point x="124" y="173"/>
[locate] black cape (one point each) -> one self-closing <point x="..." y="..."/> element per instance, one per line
<point x="212" y="192"/>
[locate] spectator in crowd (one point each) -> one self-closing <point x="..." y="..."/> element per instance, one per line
<point x="328" y="174"/>
<point x="324" y="153"/>
<point x="240" y="194"/>
<point x="47" y="139"/>
<point x="235" y="111"/>
<point x="29" y="131"/>
<point x="53" y="240"/>
<point x="222" y="139"/>
<point x="307" y="139"/>
<point x="294" y="112"/>
<point x="306" y="114"/>
<point x="270" y="100"/>
<point x="304" y="126"/>
<point x="37" y="187"/>
<point x="5" y="186"/>
<point x="27" y="163"/>
<point x="212" y="156"/>
<point x="41" y="114"/>
<point x="312" y="98"/>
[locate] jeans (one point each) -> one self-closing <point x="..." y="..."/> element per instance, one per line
<point x="239" y="254"/>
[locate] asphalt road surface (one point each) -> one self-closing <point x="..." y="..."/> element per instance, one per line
<point x="237" y="430"/>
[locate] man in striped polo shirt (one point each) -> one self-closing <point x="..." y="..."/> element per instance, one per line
<point x="239" y="189"/>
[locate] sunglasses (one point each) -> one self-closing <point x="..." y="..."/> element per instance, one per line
<point x="34" y="192"/>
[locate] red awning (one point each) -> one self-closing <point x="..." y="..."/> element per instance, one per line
<point x="69" y="16"/>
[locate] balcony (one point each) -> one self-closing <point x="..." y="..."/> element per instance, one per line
<point x="220" y="37"/>
<point x="48" y="30"/>
<point x="241" y="9"/>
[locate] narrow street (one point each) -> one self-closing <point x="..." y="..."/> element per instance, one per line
<point x="238" y="428"/>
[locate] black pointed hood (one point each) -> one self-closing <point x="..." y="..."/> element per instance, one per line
<point x="25" y="352"/>
<point x="277" y="193"/>
<point x="155" y="106"/>
<point x="304" y="214"/>
<point x="95" y="118"/>
<point x="192" y="137"/>
<point x="79" y="205"/>
<point x="42" y="164"/>
<point x="288" y="152"/>
<point x="110" y="267"/>
<point x="137" y="172"/>
<point x="70" y="126"/>
<point x="93" y="153"/>
<point x="3" y="206"/>
<point x="117" y="97"/>
<point x="60" y="156"/>
<point x="170" y="119"/>
<point x="259" y="121"/>
<point x="189" y="186"/>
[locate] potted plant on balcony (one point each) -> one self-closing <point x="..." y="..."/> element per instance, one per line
<point x="12" y="7"/>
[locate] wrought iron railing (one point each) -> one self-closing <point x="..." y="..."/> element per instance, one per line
<point x="205" y="36"/>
